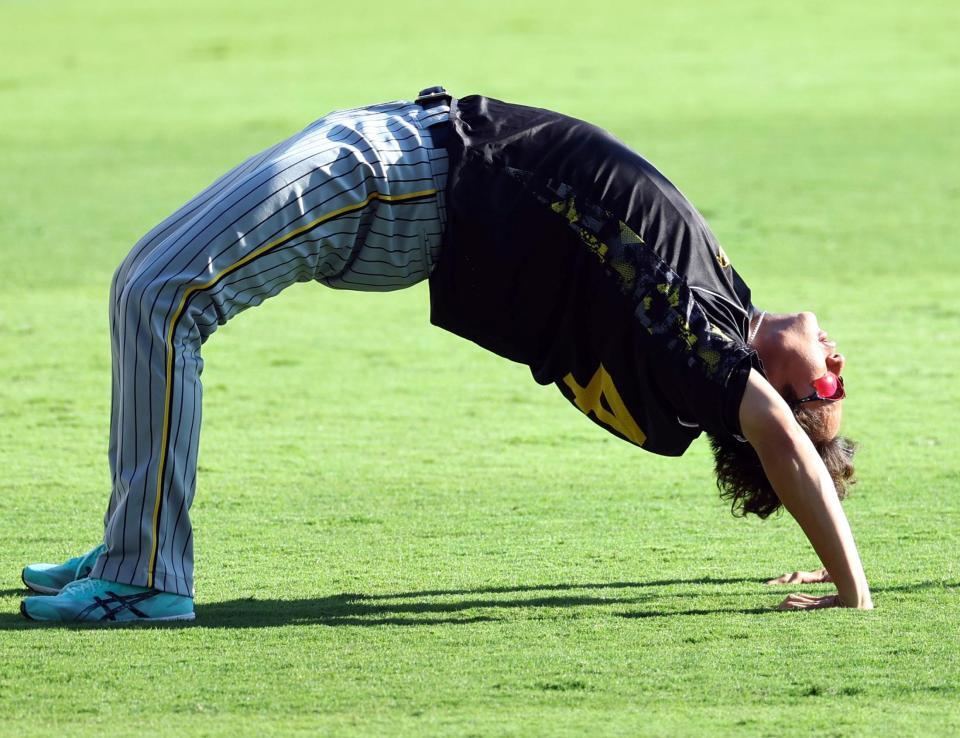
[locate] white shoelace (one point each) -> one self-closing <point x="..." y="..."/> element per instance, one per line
<point x="79" y="586"/>
<point x="85" y="559"/>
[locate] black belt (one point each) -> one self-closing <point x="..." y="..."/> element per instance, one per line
<point x="429" y="98"/>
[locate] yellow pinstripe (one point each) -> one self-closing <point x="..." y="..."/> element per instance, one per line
<point x="206" y="285"/>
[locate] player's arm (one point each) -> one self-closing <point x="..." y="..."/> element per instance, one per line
<point x="802" y="483"/>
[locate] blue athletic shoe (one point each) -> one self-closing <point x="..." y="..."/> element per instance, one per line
<point x="51" y="578"/>
<point x="100" y="601"/>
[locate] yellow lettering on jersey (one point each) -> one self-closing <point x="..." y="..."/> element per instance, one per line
<point x="587" y="399"/>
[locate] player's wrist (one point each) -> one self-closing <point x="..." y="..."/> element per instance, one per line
<point x="863" y="602"/>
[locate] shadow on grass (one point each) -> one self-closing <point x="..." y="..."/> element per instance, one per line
<point x="423" y="608"/>
<point x="714" y="611"/>
<point x="559" y="587"/>
<point x="915" y="587"/>
<point x="361" y="610"/>
<point x="470" y="606"/>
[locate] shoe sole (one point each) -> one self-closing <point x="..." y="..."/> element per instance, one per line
<point x="38" y="588"/>
<point x="186" y="616"/>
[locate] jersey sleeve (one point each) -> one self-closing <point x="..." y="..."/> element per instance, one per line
<point x="700" y="372"/>
<point x="692" y="368"/>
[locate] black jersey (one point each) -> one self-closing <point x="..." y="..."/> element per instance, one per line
<point x="568" y="252"/>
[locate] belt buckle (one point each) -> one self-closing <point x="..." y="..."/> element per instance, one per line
<point x="431" y="96"/>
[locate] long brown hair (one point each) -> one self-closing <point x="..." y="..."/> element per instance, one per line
<point x="740" y="476"/>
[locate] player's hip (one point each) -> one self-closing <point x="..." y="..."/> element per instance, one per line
<point x="360" y="188"/>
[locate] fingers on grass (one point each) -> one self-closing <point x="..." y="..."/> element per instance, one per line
<point x="789" y="578"/>
<point x="802" y="577"/>
<point x="800" y="601"/>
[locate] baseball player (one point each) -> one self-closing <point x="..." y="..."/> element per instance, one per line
<point x="545" y="240"/>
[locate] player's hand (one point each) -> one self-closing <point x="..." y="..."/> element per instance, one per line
<point x="798" y="601"/>
<point x="803" y="577"/>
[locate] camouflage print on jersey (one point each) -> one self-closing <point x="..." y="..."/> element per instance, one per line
<point x="664" y="304"/>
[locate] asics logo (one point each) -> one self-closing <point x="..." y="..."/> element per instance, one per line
<point x="115" y="604"/>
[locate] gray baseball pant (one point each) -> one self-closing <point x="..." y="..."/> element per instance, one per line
<point x="354" y="201"/>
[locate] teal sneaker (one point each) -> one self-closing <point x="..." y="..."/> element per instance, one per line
<point x="51" y="578"/>
<point x="100" y="601"/>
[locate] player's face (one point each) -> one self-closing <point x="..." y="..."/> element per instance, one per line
<point x="806" y="353"/>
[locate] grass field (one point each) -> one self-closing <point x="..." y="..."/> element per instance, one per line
<point x="399" y="534"/>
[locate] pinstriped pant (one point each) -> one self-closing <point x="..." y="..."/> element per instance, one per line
<point x="354" y="201"/>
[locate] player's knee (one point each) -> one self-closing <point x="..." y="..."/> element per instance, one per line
<point x="128" y="267"/>
<point x="118" y="288"/>
<point x="140" y="300"/>
<point x="115" y="288"/>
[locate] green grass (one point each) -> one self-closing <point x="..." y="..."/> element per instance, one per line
<point x="400" y="534"/>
